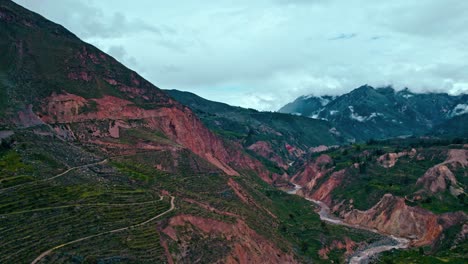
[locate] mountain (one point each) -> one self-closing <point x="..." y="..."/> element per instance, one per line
<point x="307" y="105"/>
<point x="367" y="112"/>
<point x="457" y="126"/>
<point x="98" y="165"/>
<point x="279" y="138"/>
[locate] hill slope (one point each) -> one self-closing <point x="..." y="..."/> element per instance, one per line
<point x="280" y="138"/>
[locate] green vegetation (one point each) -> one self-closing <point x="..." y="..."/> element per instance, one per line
<point x="301" y="226"/>
<point x="89" y="107"/>
<point x="366" y="183"/>
<point x="12" y="170"/>
<point x="125" y="191"/>
<point x="368" y="112"/>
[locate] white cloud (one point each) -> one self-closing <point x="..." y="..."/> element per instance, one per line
<point x="359" y="118"/>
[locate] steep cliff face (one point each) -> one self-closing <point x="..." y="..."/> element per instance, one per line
<point x="265" y="150"/>
<point x="441" y="178"/>
<point x="392" y="216"/>
<point x="312" y="172"/>
<point x="176" y="122"/>
<point x="325" y="190"/>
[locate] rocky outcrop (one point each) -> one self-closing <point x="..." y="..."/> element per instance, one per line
<point x="323" y="193"/>
<point x="437" y="179"/>
<point x="458" y="157"/>
<point x="313" y="171"/>
<point x="392" y="216"/>
<point x="27" y="118"/>
<point x="265" y="150"/>
<point x="389" y="160"/>
<point x="246" y="246"/>
<point x="440" y="178"/>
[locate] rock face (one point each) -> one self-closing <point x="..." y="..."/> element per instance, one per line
<point x="440" y="178"/>
<point x="176" y="122"/>
<point x="323" y="193"/>
<point x="246" y="245"/>
<point x="392" y="216"/>
<point x="313" y="171"/>
<point x="265" y="150"/>
<point x="389" y="160"/>
<point x="437" y="178"/>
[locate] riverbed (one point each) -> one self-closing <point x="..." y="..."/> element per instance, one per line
<point x="361" y="256"/>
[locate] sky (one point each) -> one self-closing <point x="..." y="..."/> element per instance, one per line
<point x="263" y="54"/>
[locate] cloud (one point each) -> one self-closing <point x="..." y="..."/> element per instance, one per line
<point x="119" y="52"/>
<point x="263" y="54"/>
<point x="89" y="21"/>
<point x="344" y="36"/>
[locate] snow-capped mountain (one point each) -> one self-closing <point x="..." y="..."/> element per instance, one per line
<point x="368" y="112"/>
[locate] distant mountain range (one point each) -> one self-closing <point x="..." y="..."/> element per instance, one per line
<point x="368" y="112"/>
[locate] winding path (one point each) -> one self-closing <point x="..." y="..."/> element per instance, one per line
<point x="55" y="176"/>
<point x="67" y="171"/>
<point x="365" y="255"/>
<point x="45" y="253"/>
<point x="76" y="205"/>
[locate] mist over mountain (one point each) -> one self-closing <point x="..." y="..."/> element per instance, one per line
<point x="380" y="113"/>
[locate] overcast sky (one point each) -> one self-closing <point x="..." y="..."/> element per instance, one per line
<point x="265" y="53"/>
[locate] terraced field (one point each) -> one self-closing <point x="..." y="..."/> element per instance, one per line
<point x="41" y="215"/>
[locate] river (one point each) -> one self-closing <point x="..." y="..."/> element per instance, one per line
<point x="365" y="255"/>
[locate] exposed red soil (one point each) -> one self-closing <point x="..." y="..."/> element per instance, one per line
<point x="246" y="245"/>
<point x="178" y="123"/>
<point x="347" y="244"/>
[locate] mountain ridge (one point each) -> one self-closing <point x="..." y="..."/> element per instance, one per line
<point x="368" y="112"/>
